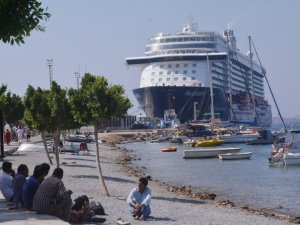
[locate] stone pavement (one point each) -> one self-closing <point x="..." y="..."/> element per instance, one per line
<point x="9" y="149"/>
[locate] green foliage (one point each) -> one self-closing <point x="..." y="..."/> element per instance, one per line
<point x="96" y="101"/>
<point x="12" y="105"/>
<point x="37" y="110"/>
<point x="48" y="110"/>
<point x="18" y="18"/>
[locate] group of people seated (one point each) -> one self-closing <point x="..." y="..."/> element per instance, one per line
<point x="36" y="193"/>
<point x="49" y="195"/>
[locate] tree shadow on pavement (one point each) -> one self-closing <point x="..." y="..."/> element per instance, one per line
<point x="78" y="165"/>
<point x="76" y="158"/>
<point x="152" y="218"/>
<point x="85" y="176"/>
<point x="116" y="179"/>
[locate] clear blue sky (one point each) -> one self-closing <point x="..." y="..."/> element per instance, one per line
<point x="98" y="35"/>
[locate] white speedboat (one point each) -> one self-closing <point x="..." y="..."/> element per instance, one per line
<point x="231" y="156"/>
<point x="291" y="159"/>
<point x="207" y="152"/>
<point x="238" y="137"/>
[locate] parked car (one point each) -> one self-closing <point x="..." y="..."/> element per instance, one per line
<point x="79" y="138"/>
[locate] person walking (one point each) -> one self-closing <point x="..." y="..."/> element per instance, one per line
<point x="7" y="136"/>
<point x="20" y="135"/>
<point x="28" y="134"/>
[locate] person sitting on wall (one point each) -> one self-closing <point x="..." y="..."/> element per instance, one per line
<point x="52" y="198"/>
<point x="139" y="200"/>
<point x="31" y="185"/>
<point x="6" y="179"/>
<point x="18" y="183"/>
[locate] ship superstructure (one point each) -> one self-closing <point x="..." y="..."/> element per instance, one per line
<point x="179" y="71"/>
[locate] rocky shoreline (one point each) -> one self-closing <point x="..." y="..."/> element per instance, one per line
<point x="189" y="192"/>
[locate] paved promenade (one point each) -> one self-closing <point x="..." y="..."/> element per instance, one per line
<point x="13" y="146"/>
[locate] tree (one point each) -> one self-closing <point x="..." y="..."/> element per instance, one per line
<point x="12" y="105"/>
<point x="37" y="112"/>
<point x="49" y="111"/>
<point x="94" y="103"/>
<point x="18" y="18"/>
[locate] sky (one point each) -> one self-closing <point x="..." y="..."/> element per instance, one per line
<point x="96" y="36"/>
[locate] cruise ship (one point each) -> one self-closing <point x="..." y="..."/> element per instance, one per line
<point x="194" y="75"/>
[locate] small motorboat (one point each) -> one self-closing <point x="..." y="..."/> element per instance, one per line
<point x="169" y="149"/>
<point x="207" y="143"/>
<point x="231" y="156"/>
<point x="207" y="152"/>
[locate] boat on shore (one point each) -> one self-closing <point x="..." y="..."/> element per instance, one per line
<point x="207" y="152"/>
<point x="234" y="156"/>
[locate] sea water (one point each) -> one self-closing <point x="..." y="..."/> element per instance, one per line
<point x="250" y="182"/>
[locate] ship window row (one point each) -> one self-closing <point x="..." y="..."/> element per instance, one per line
<point x="180" y="51"/>
<point x="181" y="39"/>
<point x="176" y="72"/>
<point x="174" y="79"/>
<point x="183" y="46"/>
<point x="176" y="66"/>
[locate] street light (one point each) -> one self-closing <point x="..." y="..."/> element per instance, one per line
<point x="77" y="76"/>
<point x="50" y="65"/>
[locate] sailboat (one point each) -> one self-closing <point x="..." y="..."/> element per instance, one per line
<point x="288" y="153"/>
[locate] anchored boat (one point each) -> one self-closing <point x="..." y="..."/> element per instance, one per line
<point x="169" y="149"/>
<point x="231" y="156"/>
<point x="208" y="152"/>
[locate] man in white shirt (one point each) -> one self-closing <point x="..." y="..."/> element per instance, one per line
<point x="6" y="179"/>
<point x="20" y="133"/>
<point x="139" y="200"/>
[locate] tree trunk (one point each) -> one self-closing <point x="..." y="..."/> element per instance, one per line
<point x="46" y="148"/>
<point x="56" y="138"/>
<point x="102" y="184"/>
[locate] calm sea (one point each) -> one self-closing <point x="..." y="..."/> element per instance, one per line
<point x="246" y="182"/>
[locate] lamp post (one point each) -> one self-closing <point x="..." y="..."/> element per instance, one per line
<point x="50" y="65"/>
<point x="77" y="76"/>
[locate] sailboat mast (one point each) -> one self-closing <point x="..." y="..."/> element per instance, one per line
<point x="252" y="79"/>
<point x="229" y="74"/>
<point x="211" y="91"/>
<point x="264" y="73"/>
